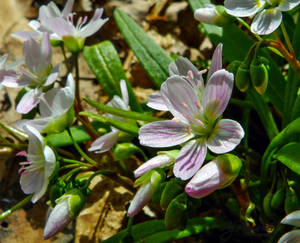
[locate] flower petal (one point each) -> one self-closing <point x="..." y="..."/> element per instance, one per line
<point x="216" y="62"/>
<point x="290" y="237"/>
<point x="105" y="142"/>
<point x="287" y="5"/>
<point x="243" y="8"/>
<point x="37" y="123"/>
<point x="8" y="78"/>
<point x="94" y="24"/>
<point x="68" y="8"/>
<point x="292" y="219"/>
<point x="31" y="52"/>
<point x="50" y="160"/>
<point x="26" y="35"/>
<point x="217" y="93"/>
<point x="227" y="135"/>
<point x="29" y="101"/>
<point x="180" y="98"/>
<point x="155" y="101"/>
<point x="59" y="26"/>
<point x="36" y="143"/>
<point x="156" y="161"/>
<point x="33" y="182"/>
<point x="182" y="66"/>
<point x="124" y="92"/>
<point x="205" y="181"/>
<point x="164" y="134"/>
<point x="46" y="53"/>
<point x="266" y="22"/>
<point x="189" y="160"/>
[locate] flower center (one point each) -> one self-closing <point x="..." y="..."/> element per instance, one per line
<point x="273" y="3"/>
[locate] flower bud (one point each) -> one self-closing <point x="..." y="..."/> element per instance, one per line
<point x="212" y="14"/>
<point x="148" y="185"/>
<point x="234" y="66"/>
<point x="259" y="76"/>
<point x="66" y="209"/>
<point x="216" y="174"/>
<point x="242" y="78"/>
<point x="163" y="158"/>
<point x="291" y="202"/>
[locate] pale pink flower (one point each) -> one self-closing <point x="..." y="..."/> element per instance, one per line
<point x="36" y="171"/>
<point x="196" y="124"/>
<point x="293" y="236"/>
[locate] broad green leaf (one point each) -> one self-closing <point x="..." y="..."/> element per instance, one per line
<point x="105" y="63"/>
<point x="153" y="58"/>
<point x="123" y="113"/>
<point x="289" y="155"/>
<point x="78" y="132"/>
<point x="155" y="231"/>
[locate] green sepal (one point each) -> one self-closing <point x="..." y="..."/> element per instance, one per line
<point x="74" y="45"/>
<point x="259" y="76"/>
<point x="242" y="78"/>
<point x="267" y="204"/>
<point x="125" y="150"/>
<point x="234" y="66"/>
<point x="291" y="202"/>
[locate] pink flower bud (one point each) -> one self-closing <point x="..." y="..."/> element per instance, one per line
<point x="216" y="174"/>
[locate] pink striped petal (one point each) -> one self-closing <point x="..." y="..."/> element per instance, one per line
<point x="164" y="134"/>
<point x="29" y="101"/>
<point x="68" y="8"/>
<point x="292" y="219"/>
<point x="182" y="66"/>
<point x="217" y="93"/>
<point x="227" y="135"/>
<point x="155" y="101"/>
<point x="208" y="179"/>
<point x="105" y="142"/>
<point x="216" y="62"/>
<point x="189" y="160"/>
<point x="266" y="21"/>
<point x="243" y="8"/>
<point x="180" y="98"/>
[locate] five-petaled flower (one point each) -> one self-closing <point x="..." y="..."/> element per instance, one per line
<point x="40" y="164"/>
<point x="40" y="74"/>
<point x="196" y="110"/>
<point x="268" y="12"/>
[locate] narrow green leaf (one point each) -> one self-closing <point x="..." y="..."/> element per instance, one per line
<point x="153" y="58"/>
<point x="123" y="113"/>
<point x="155" y="231"/>
<point x="105" y="63"/>
<point x="123" y="126"/>
<point x="289" y="155"/>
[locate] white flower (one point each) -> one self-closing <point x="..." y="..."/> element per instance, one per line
<point x="268" y="12"/>
<point x="36" y="171"/>
<point x="54" y="109"/>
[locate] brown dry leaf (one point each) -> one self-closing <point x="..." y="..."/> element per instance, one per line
<point x="104" y="212"/>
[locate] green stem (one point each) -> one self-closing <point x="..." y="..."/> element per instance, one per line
<point x="80" y="151"/>
<point x="242" y="103"/>
<point x="66" y="167"/>
<point x="16" y="207"/>
<point x="287" y="39"/>
<point x="249" y="28"/>
<point x="72" y="172"/>
<point x="71" y="161"/>
<point x="123" y="113"/>
<point x="62" y="47"/>
<point x="77" y="85"/>
<point x="246" y="116"/>
<point x="100" y="172"/>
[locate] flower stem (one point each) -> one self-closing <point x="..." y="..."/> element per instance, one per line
<point x="287" y="39"/>
<point x="80" y="151"/>
<point x="71" y="161"/>
<point x="62" y="47"/>
<point x="249" y="28"/>
<point x="16" y="207"/>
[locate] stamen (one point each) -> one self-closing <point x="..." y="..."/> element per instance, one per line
<point x="197" y="104"/>
<point x="184" y="105"/>
<point x="200" y="123"/>
<point x="202" y="71"/>
<point x="190" y="76"/>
